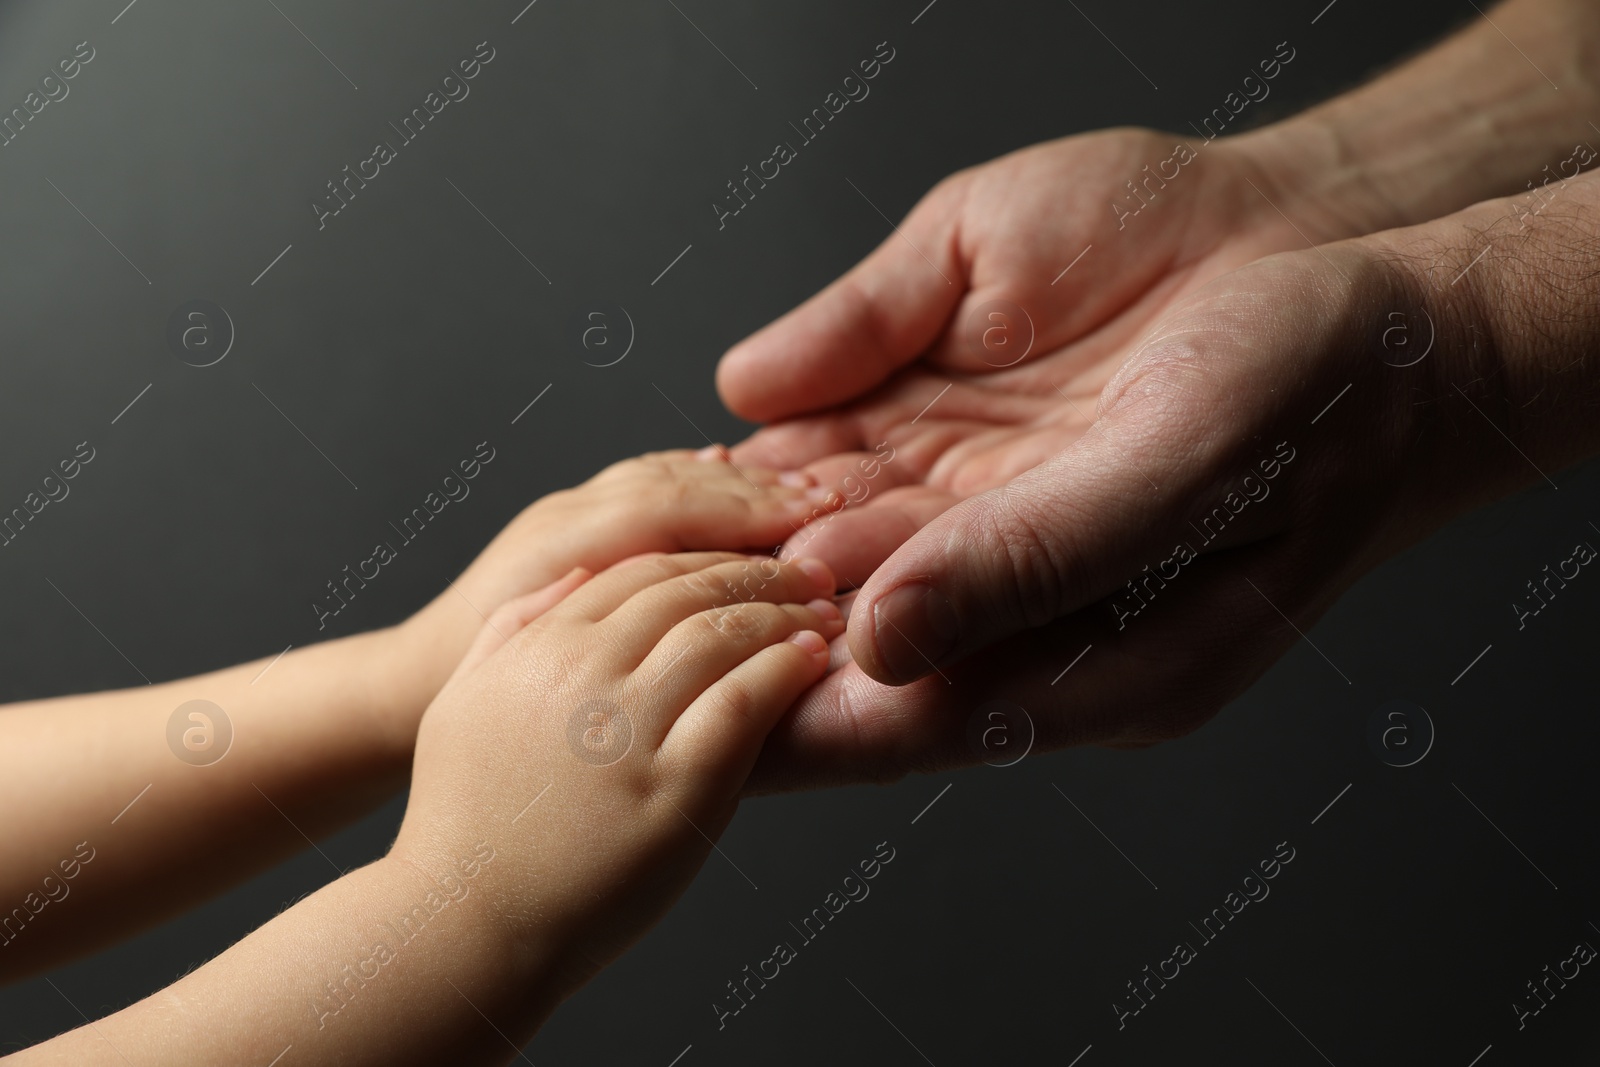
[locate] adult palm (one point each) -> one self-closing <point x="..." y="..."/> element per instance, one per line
<point x="977" y="338"/>
<point x="997" y="416"/>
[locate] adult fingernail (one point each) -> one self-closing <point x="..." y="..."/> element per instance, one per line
<point x="797" y="479"/>
<point x="914" y="627"/>
<point x="811" y="641"/>
<point x="827" y="609"/>
<point x="818" y="571"/>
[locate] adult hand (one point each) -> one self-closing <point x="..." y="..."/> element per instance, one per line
<point x="1273" y="435"/>
<point x="1017" y="288"/>
<point x="904" y="331"/>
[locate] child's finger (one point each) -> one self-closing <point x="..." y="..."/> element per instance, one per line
<point x="858" y="475"/>
<point x="633" y="466"/>
<point x="611" y="589"/>
<point x="710" y="463"/>
<point x="724" y="514"/>
<point x="514" y="615"/>
<point x="702" y="648"/>
<point x="640" y="624"/>
<point x="716" y="741"/>
<point x="716" y="463"/>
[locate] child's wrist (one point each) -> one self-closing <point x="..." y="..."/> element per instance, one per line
<point x="404" y="667"/>
<point x="464" y="883"/>
<point x="433" y="641"/>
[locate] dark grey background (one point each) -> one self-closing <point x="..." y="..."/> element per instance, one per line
<point x="409" y="330"/>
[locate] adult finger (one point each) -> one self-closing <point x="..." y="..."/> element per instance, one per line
<point x="791" y="444"/>
<point x="1080" y="680"/>
<point x="856" y="540"/>
<point x="855" y="333"/>
<point x="1135" y="492"/>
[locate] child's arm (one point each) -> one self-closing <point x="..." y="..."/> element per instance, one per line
<point x="131" y="818"/>
<point x="564" y="795"/>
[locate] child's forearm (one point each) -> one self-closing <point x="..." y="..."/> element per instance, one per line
<point x="393" y="963"/>
<point x="460" y="942"/>
<point x="121" y="810"/>
<point x="132" y="815"/>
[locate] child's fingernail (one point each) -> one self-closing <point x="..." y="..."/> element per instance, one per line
<point x="820" y="492"/>
<point x="710" y="452"/>
<point x="818" y="571"/>
<point x="798" y="479"/>
<point x="811" y="641"/>
<point x="827" y="609"/>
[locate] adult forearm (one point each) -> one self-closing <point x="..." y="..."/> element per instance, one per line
<point x="1497" y="309"/>
<point x="1480" y="115"/>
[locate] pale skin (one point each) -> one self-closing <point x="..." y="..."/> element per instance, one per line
<point x="535" y="852"/>
<point x="1184" y="346"/>
<point x="325" y="735"/>
<point x="1026" y="496"/>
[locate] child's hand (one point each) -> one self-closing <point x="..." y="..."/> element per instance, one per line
<point x="661" y="502"/>
<point x="565" y="791"/>
<point x="598" y="753"/>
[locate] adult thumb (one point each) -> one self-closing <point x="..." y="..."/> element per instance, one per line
<point x="881" y="315"/>
<point x="1057" y="538"/>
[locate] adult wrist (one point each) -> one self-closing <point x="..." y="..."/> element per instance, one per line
<point x="1493" y="307"/>
<point x="1308" y="169"/>
<point x="1474" y="118"/>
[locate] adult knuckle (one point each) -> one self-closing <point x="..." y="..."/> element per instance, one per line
<point x="1030" y="578"/>
<point x="1159" y="379"/>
